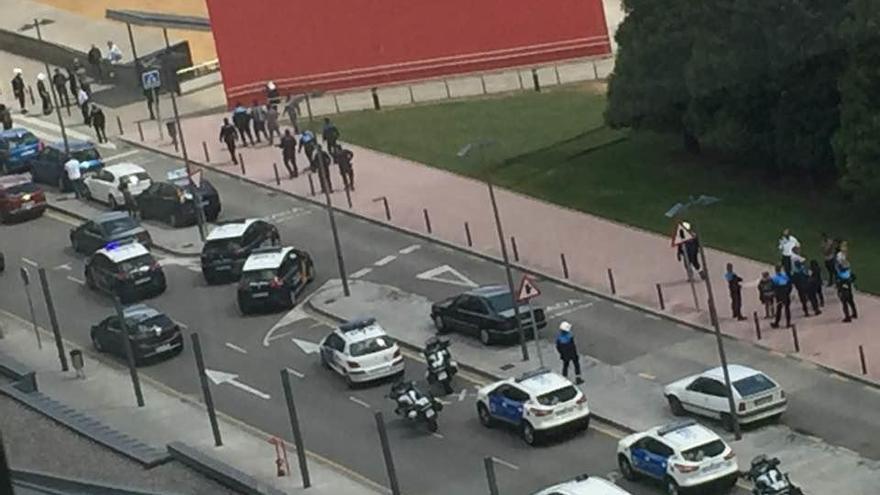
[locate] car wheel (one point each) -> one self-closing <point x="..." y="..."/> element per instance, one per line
<point x="96" y="342"/>
<point x="173" y="219"/>
<point x="529" y="435"/>
<point x="111" y="201"/>
<point x="672" y="487"/>
<point x="90" y="281"/>
<point x="288" y="300"/>
<point x="439" y="324"/>
<point x="349" y="382"/>
<point x="485" y="418"/>
<point x="626" y="468"/>
<point x="244" y="308"/>
<point x="433" y="426"/>
<point x="675" y="405"/>
<point x="324" y="362"/>
<point x="485" y="337"/>
<point x="727" y="421"/>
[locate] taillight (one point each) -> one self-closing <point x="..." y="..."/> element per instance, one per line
<point x="582" y="399"/>
<point x="352" y="364"/>
<point x="275" y="283"/>
<point x="40" y="146"/>
<point x="540" y="412"/>
<point x="155" y="266"/>
<point x="742" y="407"/>
<point x="121" y="275"/>
<point x="782" y="394"/>
<point x="684" y="468"/>
<point x="396" y="353"/>
<point x="730" y="455"/>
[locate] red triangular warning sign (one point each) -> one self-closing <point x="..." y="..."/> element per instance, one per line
<point x="681" y="235"/>
<point x="527" y="289"/>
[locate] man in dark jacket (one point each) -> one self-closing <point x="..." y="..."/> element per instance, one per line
<point x="43" y="91"/>
<point x="72" y="82"/>
<point x="227" y="136"/>
<point x="94" y="57"/>
<point x="60" y="83"/>
<point x="568" y="352"/>
<point x="343" y="159"/>
<point x="330" y="134"/>
<point x="99" y="122"/>
<point x="288" y="153"/>
<point x="845" y="279"/>
<point x="18" y="89"/>
<point x="258" y="113"/>
<point x="782" y="290"/>
<point x="242" y="120"/>
<point x="734" y="285"/>
<point x="5" y="117"/>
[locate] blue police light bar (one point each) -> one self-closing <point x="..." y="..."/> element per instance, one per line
<point x="110" y="246"/>
<point x="357" y="324"/>
<point x="676" y="426"/>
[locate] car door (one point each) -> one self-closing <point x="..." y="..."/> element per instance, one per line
<point x="99" y="185"/>
<point x="148" y="200"/>
<point x="693" y="398"/>
<point x="167" y="201"/>
<point x="715" y="398"/>
<point x="507" y="403"/>
<point x="332" y="352"/>
<point x="103" y="273"/>
<point x="113" y="336"/>
<point x="474" y="312"/>
<point x="653" y="457"/>
<point x="90" y="237"/>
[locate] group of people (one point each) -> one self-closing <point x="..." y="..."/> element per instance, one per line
<point x="795" y="273"/>
<point x="96" y="58"/>
<point x="252" y="124"/>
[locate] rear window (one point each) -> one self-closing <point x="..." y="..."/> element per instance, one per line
<point x="501" y="302"/>
<point x="707" y="450"/>
<point x="557" y="396"/>
<point x="25" y="139"/>
<point x="24" y="188"/>
<point x="86" y="155"/>
<point x="223" y="245"/>
<point x="135" y="263"/>
<point x="119" y="225"/>
<point x="135" y="178"/>
<point x="754" y="384"/>
<point x="141" y="324"/>
<point x="257" y="275"/>
<point x="369" y="346"/>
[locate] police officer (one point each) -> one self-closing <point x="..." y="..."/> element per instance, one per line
<point x="288" y="153"/>
<point x="18" y="88"/>
<point x="307" y="143"/>
<point x="242" y="120"/>
<point x="44" y="93"/>
<point x="227" y="136"/>
<point x="734" y="285"/>
<point x="258" y="113"/>
<point x="845" y="279"/>
<point x="330" y="134"/>
<point x="99" y="122"/>
<point x="568" y="352"/>
<point x="60" y="83"/>
<point x="782" y="291"/>
<point x="322" y="161"/>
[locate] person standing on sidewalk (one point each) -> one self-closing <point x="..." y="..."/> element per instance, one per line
<point x="323" y="161"/>
<point x="18" y="88"/>
<point x="272" y="123"/>
<point x="344" y="158"/>
<point x="242" y="120"/>
<point x="800" y="277"/>
<point x="689" y="250"/>
<point x="94" y="57"/>
<point x="782" y="294"/>
<point x="258" y="113"/>
<point x="82" y="99"/>
<point x="74" y="176"/>
<point x="829" y="250"/>
<point x="72" y="81"/>
<point x="841" y="258"/>
<point x="60" y="83"/>
<point x="43" y="91"/>
<point x="787" y="245"/>
<point x="99" y="122"/>
<point x="815" y="283"/>
<point x="330" y="134"/>
<point x="307" y="144"/>
<point x="845" y="279"/>
<point x="288" y="153"/>
<point x="5" y="117"/>
<point x="290" y="108"/>
<point x="734" y="285"/>
<point x="766" y="294"/>
<point x="227" y="136"/>
<point x="568" y="352"/>
<point x="148" y="95"/>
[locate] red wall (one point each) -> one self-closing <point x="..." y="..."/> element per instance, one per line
<point x="336" y="44"/>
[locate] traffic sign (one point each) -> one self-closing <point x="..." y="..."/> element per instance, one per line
<point x="682" y="234"/>
<point x="196" y="178"/>
<point x="151" y="80"/>
<point x="527" y="289"/>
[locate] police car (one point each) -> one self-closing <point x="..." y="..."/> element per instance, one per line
<point x="128" y="271"/>
<point x="229" y="244"/>
<point x="537" y="403"/>
<point x="274" y="277"/>
<point x="361" y="351"/>
<point x="756" y="395"/>
<point x="584" y="485"/>
<point x="683" y="456"/>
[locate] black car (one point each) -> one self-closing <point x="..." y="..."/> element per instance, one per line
<point x="113" y="226"/>
<point x="174" y="202"/>
<point x="230" y="243"/>
<point x="127" y="271"/>
<point x="152" y="333"/>
<point x="485" y="312"/>
<point x="273" y="278"/>
<point x="48" y="166"/>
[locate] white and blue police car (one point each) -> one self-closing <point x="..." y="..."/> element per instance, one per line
<point x="584" y="485"/>
<point x="683" y="456"/>
<point x="360" y="350"/>
<point x="537" y="403"/>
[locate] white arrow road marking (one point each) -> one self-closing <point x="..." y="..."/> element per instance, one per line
<point x="221" y="377"/>
<point x="565" y="307"/>
<point x="190" y="263"/>
<point x="453" y="276"/>
<point x="306" y="346"/>
<point x="76" y="280"/>
<point x="410" y="249"/>
<point x="120" y="156"/>
<point x="384" y="261"/>
<point x="53" y="131"/>
<point x="462" y="394"/>
<point x="437" y="435"/>
<point x="292" y="316"/>
<point x="296" y="373"/>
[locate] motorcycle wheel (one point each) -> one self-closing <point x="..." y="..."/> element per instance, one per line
<point x="447" y="387"/>
<point x="433" y="426"/>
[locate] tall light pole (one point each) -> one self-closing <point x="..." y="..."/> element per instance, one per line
<point x="463" y="153"/>
<point x="55" y="97"/>
<point x="323" y="178"/>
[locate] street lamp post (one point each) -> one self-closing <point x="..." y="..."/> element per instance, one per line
<point x="325" y="185"/>
<point x="56" y="98"/>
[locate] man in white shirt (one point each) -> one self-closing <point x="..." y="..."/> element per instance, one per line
<point x="787" y="245"/>
<point x="114" y="54"/>
<point x="74" y="175"/>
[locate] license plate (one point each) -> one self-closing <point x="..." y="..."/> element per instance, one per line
<point x="260" y="294"/>
<point x="28" y="205"/>
<point x="763" y="400"/>
<point x="163" y="348"/>
<point x="713" y="467"/>
<point x="142" y="281"/>
<point x="564" y="411"/>
<point x="429" y="413"/>
<point x="442" y="375"/>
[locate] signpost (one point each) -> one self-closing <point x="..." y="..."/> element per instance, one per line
<point x="528" y="291"/>
<point x="152" y="81"/>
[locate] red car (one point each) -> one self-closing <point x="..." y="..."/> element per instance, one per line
<point x="20" y="198"/>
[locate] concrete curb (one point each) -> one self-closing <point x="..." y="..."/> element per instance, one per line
<point x="70" y="485"/>
<point x="553" y="278"/>
<point x="219" y="471"/>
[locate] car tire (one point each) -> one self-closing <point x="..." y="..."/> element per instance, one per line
<point x="433" y="426"/>
<point x="626" y="468"/>
<point x="96" y="343"/>
<point x="244" y="308"/>
<point x="485" y="337"/>
<point x="210" y="278"/>
<point x="485" y="418"/>
<point x="675" y="405"/>
<point x="349" y="382"/>
<point x="727" y="422"/>
<point x="671" y="487"/>
<point x="90" y="281"/>
<point x="528" y="433"/>
<point x="324" y="362"/>
<point x="288" y="301"/>
<point x="111" y="201"/>
<point x="439" y="324"/>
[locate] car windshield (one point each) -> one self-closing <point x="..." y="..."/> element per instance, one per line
<point x="23" y="188"/>
<point x="707" y="450"/>
<point x="135" y="263"/>
<point x="135" y="178"/>
<point x="557" y="396"/>
<point x="257" y="275"/>
<point x="500" y="302"/>
<point x="222" y="245"/>
<point x="24" y="139"/>
<point x="754" y="384"/>
<point x="119" y="225"/>
<point x="370" y="346"/>
<point x="86" y="155"/>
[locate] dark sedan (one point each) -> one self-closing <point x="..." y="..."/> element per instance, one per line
<point x="175" y="202"/>
<point x="105" y="228"/>
<point x="485" y="312"/>
<point x="48" y="166"/>
<point x="152" y="334"/>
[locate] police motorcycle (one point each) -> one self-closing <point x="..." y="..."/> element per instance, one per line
<point x="441" y="366"/>
<point x="767" y="479"/>
<point x="413" y="405"/>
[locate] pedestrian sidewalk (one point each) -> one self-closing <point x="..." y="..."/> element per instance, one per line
<point x="168" y="419"/>
<point x="616" y="395"/>
<point x="459" y="212"/>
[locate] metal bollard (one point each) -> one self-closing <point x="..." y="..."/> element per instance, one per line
<point x="31" y="95"/>
<point x="862" y="359"/>
<point x="535" y="80"/>
<point x="427" y="220"/>
<point x="564" y="265"/>
<point x="467" y="233"/>
<point x="660" y="297"/>
<point x="348" y="196"/>
<point x="140" y="131"/>
<point x="277" y="177"/>
<point x="794" y="336"/>
<point x="311" y="184"/>
<point x="611" y="282"/>
<point x="241" y="164"/>
<point x="384" y="200"/>
<point x="76" y="359"/>
<point x="205" y="149"/>
<point x="376" y="104"/>
<point x="515" y="250"/>
<point x="757" y="325"/>
<point x="119" y="123"/>
<point x="489" y="465"/>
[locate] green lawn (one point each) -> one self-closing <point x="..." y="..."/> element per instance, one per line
<point x="553" y="146"/>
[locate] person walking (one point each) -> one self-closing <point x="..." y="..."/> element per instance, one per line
<point x="74" y="176"/>
<point x="18" y="88"/>
<point x="800" y="277"/>
<point x="308" y="144"/>
<point x="689" y="251"/>
<point x="568" y="353"/>
<point x="242" y="120"/>
<point x="43" y="91"/>
<point x="99" y="122"/>
<point x="59" y="80"/>
<point x="290" y="109"/>
<point x="845" y="279"/>
<point x="288" y="153"/>
<point x="258" y="113"/>
<point x="344" y="158"/>
<point x="130" y="204"/>
<point x="815" y="283"/>
<point x="72" y="82"/>
<point x="272" y="95"/>
<point x="782" y="295"/>
<point x="322" y="163"/>
<point x="94" y="57"/>
<point x="330" y="134"/>
<point x="766" y="294"/>
<point x="734" y="285"/>
<point x="272" y="123"/>
<point x="5" y="117"/>
<point x="83" y="99"/>
<point x="841" y="259"/>
<point x="227" y="136"/>
<point x="787" y="245"/>
<point x="148" y="95"/>
<point x="829" y="251"/>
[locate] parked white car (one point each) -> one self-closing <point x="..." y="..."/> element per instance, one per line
<point x="103" y="186"/>
<point x="361" y="351"/>
<point x="584" y="485"/>
<point x="755" y="395"/>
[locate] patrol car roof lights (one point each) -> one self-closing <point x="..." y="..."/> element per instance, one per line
<point x="678" y="425"/>
<point x="110" y="246"/>
<point x="357" y="324"/>
<point x="532" y="374"/>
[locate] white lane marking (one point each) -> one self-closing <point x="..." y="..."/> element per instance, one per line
<point x="221" y="377"/>
<point x="359" y="402"/>
<point x="306" y="346"/>
<point x="296" y="373"/>
<point x="294" y="315"/>
<point x="437" y="435"/>
<point x="410" y="249"/>
<point x="444" y="402"/>
<point x="76" y="280"/>
<point x="505" y="463"/>
<point x="454" y="276"/>
<point x="65" y="267"/>
<point x="360" y="273"/>
<point x="120" y="156"/>
<point x="384" y="261"/>
<point x="652" y="317"/>
<point x="462" y="394"/>
<point x="30" y="262"/>
<point x="647" y="376"/>
<point x="622" y="306"/>
<point x="570" y="310"/>
<point x="236" y="348"/>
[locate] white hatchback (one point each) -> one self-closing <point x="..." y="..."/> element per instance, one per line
<point x="584" y="485"/>
<point x="361" y="351"/>
<point x="104" y="185"/>
<point x="755" y="395"/>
